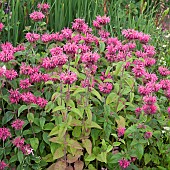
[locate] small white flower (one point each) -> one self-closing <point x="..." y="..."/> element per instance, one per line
<point x="167" y="36"/>
<point x="164" y="46"/>
<point x="167" y="128"/>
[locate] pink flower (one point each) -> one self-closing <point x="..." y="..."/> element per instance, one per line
<point x="45" y="38"/>
<point x="138" y="71"/>
<point x="6" y="55"/>
<point x="90" y="58"/>
<point x="105" y="87"/>
<point x="17" y="124"/>
<point x="130" y="34"/>
<point x="47" y="63"/>
<point x="163" y="71"/>
<point x="37" y="16"/>
<point x="104" y="76"/>
<point x="27" y="150"/>
<point x="70" y="48"/>
<point x="148" y="135"/>
<point x="35" y="78"/>
<point x="32" y="37"/>
<point x="18" y="142"/>
<point x="84" y="48"/>
<point x="20" y="47"/>
<point x="149" y="50"/>
<point x="68" y="78"/>
<point x="123" y="163"/>
<point x="14" y="96"/>
<point x="2" y="71"/>
<point x="149" y="100"/>
<point x="59" y="59"/>
<point x="165" y="84"/>
<point x="149" y="109"/>
<point x="138" y="111"/>
<point x="168" y="110"/>
<point x="149" y="61"/>
<point x="24" y="84"/>
<point x="96" y="25"/>
<point x="26" y="69"/>
<point x="120" y="131"/>
<point x="144" y="38"/>
<point x="57" y="37"/>
<point x="56" y="51"/>
<point x="87" y="83"/>
<point x="102" y="20"/>
<point x="103" y="34"/>
<point x="1" y="26"/>
<point x="41" y="102"/>
<point x="44" y="7"/>
<point x="80" y="25"/>
<point x="3" y="165"/>
<point x="67" y="33"/>
<point x="11" y="74"/>
<point x="28" y="97"/>
<point x="4" y="133"/>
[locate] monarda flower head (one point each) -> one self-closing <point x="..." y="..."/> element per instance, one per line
<point x="90" y="58"/>
<point x="149" y="100"/>
<point x="120" y="131"/>
<point x="4" y="133"/>
<point x="32" y="37"/>
<point x="46" y="38"/>
<point x="80" y="25"/>
<point x="18" y="142"/>
<point x="105" y="87"/>
<point x="28" y="97"/>
<point x="149" y="109"/>
<point x="68" y="78"/>
<point x="163" y="71"/>
<point x="147" y="135"/>
<point x="17" y="124"/>
<point x="70" y="48"/>
<point x="3" y="165"/>
<point x="102" y="20"/>
<point x="37" y="16"/>
<point x="24" y="84"/>
<point x="44" y="7"/>
<point x="123" y="163"/>
<point x="14" y="96"/>
<point x="1" y="26"/>
<point x="41" y="102"/>
<point x="67" y="33"/>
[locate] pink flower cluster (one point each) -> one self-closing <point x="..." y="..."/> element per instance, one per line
<point x="32" y="37"/>
<point x="101" y="21"/>
<point x="132" y="34"/>
<point x="80" y="26"/>
<point x="105" y="87"/>
<point x="25" y="148"/>
<point x="4" y="133"/>
<point x="121" y="131"/>
<point x="90" y="58"/>
<point x="37" y="16"/>
<point x="1" y="26"/>
<point x="44" y="7"/>
<point x="124" y="163"/>
<point x="17" y="124"/>
<point x="27" y="97"/>
<point x="3" y="165"/>
<point x="68" y="78"/>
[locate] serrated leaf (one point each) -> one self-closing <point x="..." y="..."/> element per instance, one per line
<point x="78" y="165"/>
<point x="77" y="111"/>
<point x="102" y="157"/>
<point x="34" y="143"/>
<point x="7" y="117"/>
<point x="21" y="109"/>
<point x="58" y="108"/>
<point x="147" y="158"/>
<point x="120" y="122"/>
<point x="42" y="122"/>
<point x="30" y="117"/>
<point x="58" y="153"/>
<point x="111" y="98"/>
<point x="118" y="68"/>
<point x="139" y="151"/>
<point x="87" y="145"/>
<point x="96" y="93"/>
<point x="120" y="106"/>
<point x="90" y="158"/>
<point x="20" y="156"/>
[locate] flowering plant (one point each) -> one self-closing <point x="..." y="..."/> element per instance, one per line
<point x="72" y="99"/>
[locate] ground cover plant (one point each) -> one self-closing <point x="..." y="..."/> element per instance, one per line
<point x="78" y="100"/>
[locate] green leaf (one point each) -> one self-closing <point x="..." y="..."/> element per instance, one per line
<point x="120" y="122"/>
<point x="30" y="117"/>
<point x="77" y="111"/>
<point x="139" y="151"/>
<point x="87" y="145"/>
<point x="21" y="109"/>
<point x="49" y="126"/>
<point x="120" y="106"/>
<point x="76" y="131"/>
<point x="79" y="90"/>
<point x="54" y="131"/>
<point x="118" y="68"/>
<point x="101" y="46"/>
<point x="96" y="93"/>
<point x="42" y="122"/>
<point x="34" y="143"/>
<point x="20" y="156"/>
<point x="111" y="98"/>
<point x="46" y="138"/>
<point x="94" y="125"/>
<point x="102" y="157"/>
<point x="90" y="158"/>
<point x="147" y="158"/>
<point x="58" y="108"/>
<point x="58" y="153"/>
<point x="116" y="143"/>
<point x="13" y="159"/>
<point x="7" y="117"/>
